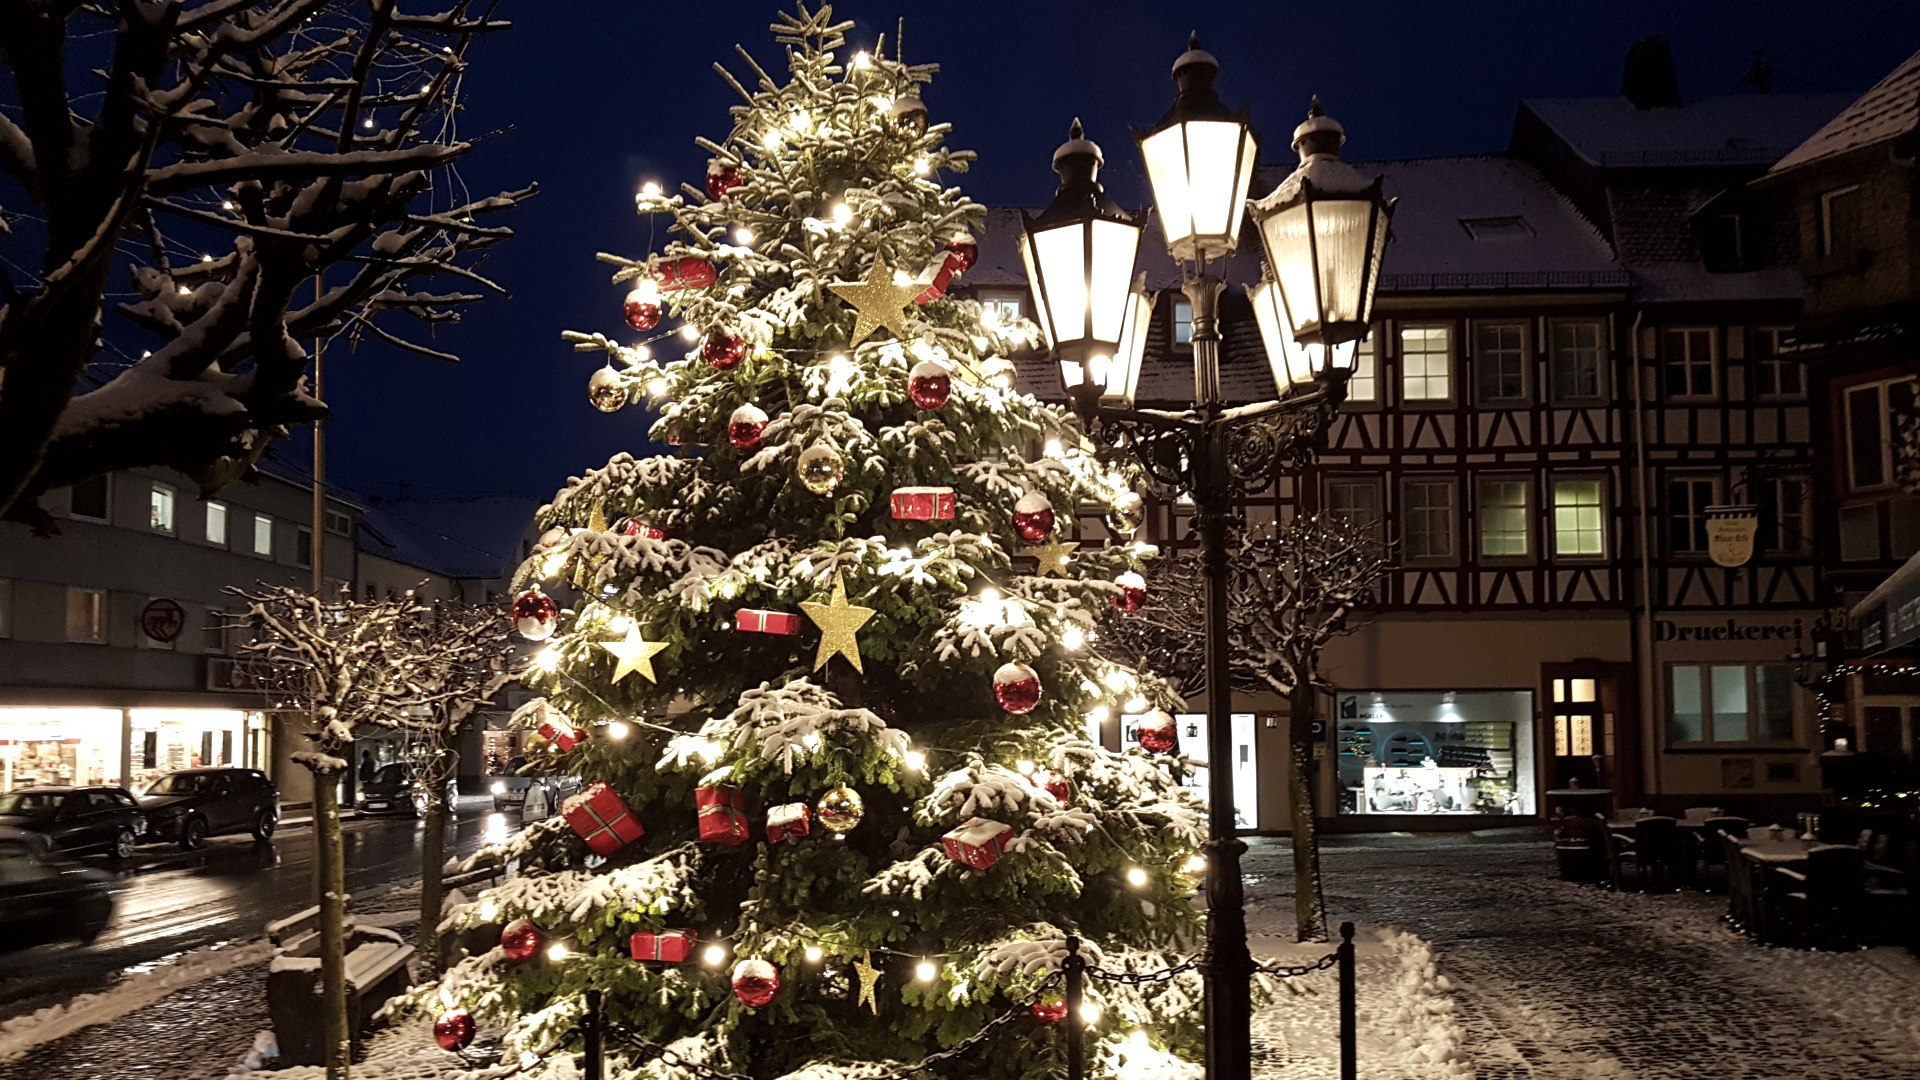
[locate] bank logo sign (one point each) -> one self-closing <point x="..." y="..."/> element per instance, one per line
<point x="1730" y="534"/>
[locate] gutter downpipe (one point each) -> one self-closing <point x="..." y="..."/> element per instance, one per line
<point x="1642" y="627"/>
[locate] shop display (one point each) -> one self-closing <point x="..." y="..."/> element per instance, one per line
<point x="1426" y="753"/>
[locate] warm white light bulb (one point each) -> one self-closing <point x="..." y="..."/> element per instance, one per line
<point x="226" y="204"/>
<point x="1195" y="864"/>
<point x="547" y="659"/>
<point x="842" y="213"/>
<point x="1137" y="877"/>
<point x="558" y="951"/>
<point x="771" y="140"/>
<point x="811" y="740"/>
<point x="206" y="258"/>
<point x="1073" y="639"/>
<point x="650" y="189"/>
<point x="862" y="59"/>
<point x="921" y="166"/>
<point x="926" y="971"/>
<point x="1053" y="448"/>
<point x="489" y="911"/>
<point x="1136" y="703"/>
<point x="814" y="954"/>
<point x="743" y="236"/>
<point x="367" y="123"/>
<point x="657" y="387"/>
<point x="1116" y="679"/>
<point x="714" y="955"/>
<point x="619" y="729"/>
<point x="1099" y="714"/>
<point x="619" y="624"/>
<point x="1025" y="765"/>
<point x="916" y="761"/>
<point x="989" y="596"/>
<point x="1090" y="1013"/>
<point x="690" y="332"/>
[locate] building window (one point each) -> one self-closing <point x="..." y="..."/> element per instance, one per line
<point x="1783" y="513"/>
<point x="1690" y="362"/>
<point x="1363" y="384"/>
<point x="263" y="535"/>
<point x="1775" y="375"/>
<point x="1687" y="500"/>
<point x="87" y="615"/>
<point x="1579" y="518"/>
<point x="339" y="524"/>
<point x="1577" y="361"/>
<point x="303" y="546"/>
<point x="1871" y="411"/>
<point x="1000" y="309"/>
<point x="1427" y="521"/>
<point x="1840" y="220"/>
<point x="90" y="499"/>
<point x="1182" y="323"/>
<point x="1860" y="533"/>
<point x="6" y="608"/>
<point x="1722" y="247"/>
<point x="213" y="634"/>
<point x="217" y="523"/>
<point x="1425" y="355"/>
<point x="1498" y="228"/>
<point x="160" y="509"/>
<point x="1358" y="502"/>
<point x="1730" y="703"/>
<point x="1500" y="363"/>
<point x="1504" y="519"/>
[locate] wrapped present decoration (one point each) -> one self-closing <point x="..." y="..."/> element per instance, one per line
<point x="562" y="735"/>
<point x="922" y="503"/>
<point x="788" y="820"/>
<point x="723" y="814"/>
<point x="664" y="946"/>
<point x="761" y="621"/>
<point x="977" y="842"/>
<point x="601" y="819"/>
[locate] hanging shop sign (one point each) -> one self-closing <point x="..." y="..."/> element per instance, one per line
<point x="1730" y="534"/>
<point x="163" y="620"/>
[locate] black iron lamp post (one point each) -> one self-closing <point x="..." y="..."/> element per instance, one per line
<point x="1324" y="230"/>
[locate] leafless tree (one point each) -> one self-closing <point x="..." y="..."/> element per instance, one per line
<point x="267" y="173"/>
<point x="1294" y="588"/>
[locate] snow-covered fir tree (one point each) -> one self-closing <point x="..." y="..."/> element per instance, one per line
<point x="840" y="622"/>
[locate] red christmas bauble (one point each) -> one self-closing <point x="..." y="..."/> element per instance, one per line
<point x="1050" y="1009"/>
<point x="1033" y="518"/>
<point x="723" y="351"/>
<point x="1056" y="785"/>
<point x="521" y="940"/>
<point x="755" y="982"/>
<point x="643" y="307"/>
<point x="929" y="384"/>
<point x="722" y="180"/>
<point x="1017" y="688"/>
<point x="744" y="427"/>
<point x="535" y="614"/>
<point x="454" y="1029"/>
<point x="1157" y="733"/>
<point x="966" y="251"/>
<point x="636" y="527"/>
<point x="1132" y="595"/>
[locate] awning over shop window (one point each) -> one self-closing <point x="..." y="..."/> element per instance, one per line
<point x="1890" y="615"/>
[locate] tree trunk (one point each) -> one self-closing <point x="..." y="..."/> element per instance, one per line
<point x="329" y="868"/>
<point x="434" y="855"/>
<point x="1309" y="906"/>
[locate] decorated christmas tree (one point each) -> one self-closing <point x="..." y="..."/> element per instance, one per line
<point x="826" y="671"/>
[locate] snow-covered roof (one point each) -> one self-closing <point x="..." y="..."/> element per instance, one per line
<point x="1889" y="110"/>
<point x="468" y="537"/>
<point x="1734" y="129"/>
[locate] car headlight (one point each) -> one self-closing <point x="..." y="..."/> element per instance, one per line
<point x="499" y="787"/>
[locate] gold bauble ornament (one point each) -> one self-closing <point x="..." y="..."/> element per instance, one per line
<point x="1126" y="513"/>
<point x="820" y="469"/>
<point x="606" y="390"/>
<point x="840" y="809"/>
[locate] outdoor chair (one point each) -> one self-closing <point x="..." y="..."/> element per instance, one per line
<point x="1821" y="907"/>
<point x="1711" y="845"/>
<point x="1663" y="858"/>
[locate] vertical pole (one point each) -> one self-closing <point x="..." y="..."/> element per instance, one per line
<point x="594" y="1029"/>
<point x="1349" y="1036"/>
<point x="319" y="460"/>
<point x="1227" y="965"/>
<point x="1076" y="968"/>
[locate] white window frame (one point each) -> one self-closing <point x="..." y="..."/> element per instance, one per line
<point x="1703" y="671"/>
<point x="339" y="523"/>
<point x="1427" y="381"/>
<point x="1555" y="353"/>
<point x="254" y="547"/>
<point x="1826" y="215"/>
<point x="1689" y="363"/>
<point x="98" y="634"/>
<point x="163" y="502"/>
<point x="1363" y="385"/>
<point x="1377" y="492"/>
<point x="217" y="510"/>
<point x="1480" y="360"/>
<point x="1765" y="356"/>
<point x="1182" y="318"/>
<point x="1882" y="389"/>
<point x="1601" y="507"/>
<point x="1486" y="509"/>
<point x="1696" y="515"/>
<point x="106" y="487"/>
<point x="1408" y="512"/>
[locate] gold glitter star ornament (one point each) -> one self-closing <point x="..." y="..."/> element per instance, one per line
<point x="839" y="622"/>
<point x="869" y="978"/>
<point x="878" y="301"/>
<point x="1053" y="557"/>
<point x="634" y="654"/>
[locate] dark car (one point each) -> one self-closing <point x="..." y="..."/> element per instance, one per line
<point x="44" y="898"/>
<point x="190" y="805"/>
<point x="395" y="790"/>
<point x="77" y="819"/>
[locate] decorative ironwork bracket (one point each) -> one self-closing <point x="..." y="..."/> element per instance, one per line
<point x="1262" y="442"/>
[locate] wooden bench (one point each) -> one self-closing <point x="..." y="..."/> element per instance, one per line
<point x="376" y="970"/>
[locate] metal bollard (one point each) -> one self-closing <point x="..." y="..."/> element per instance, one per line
<point x="1075" y="967"/>
<point x="593" y="1027"/>
<point x="1349" y="1035"/>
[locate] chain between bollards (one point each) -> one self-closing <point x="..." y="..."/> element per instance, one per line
<point x="1349" y="1048"/>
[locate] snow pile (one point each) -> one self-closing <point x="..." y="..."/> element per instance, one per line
<point x="1431" y="1042"/>
<point x="265" y="1049"/>
<point x="23" y="1033"/>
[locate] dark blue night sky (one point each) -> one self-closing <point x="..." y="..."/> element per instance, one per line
<point x="601" y="95"/>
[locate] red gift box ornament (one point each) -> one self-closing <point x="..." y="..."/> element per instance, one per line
<point x="562" y="735"/>
<point x="762" y="621"/>
<point x="922" y="503"/>
<point x="601" y="819"/>
<point x="788" y="820"/>
<point x="685" y="272"/>
<point x="723" y="814"/>
<point x="664" y="946"/>
<point x="977" y="842"/>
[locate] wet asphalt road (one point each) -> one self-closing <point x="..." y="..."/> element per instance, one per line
<point x="167" y="901"/>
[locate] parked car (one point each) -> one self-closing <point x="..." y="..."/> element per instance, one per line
<point x="44" y="898"/>
<point x="545" y="795"/>
<point x="190" y="805"/>
<point x="394" y="790"/>
<point x="77" y="819"/>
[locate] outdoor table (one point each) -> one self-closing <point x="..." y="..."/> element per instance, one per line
<point x="1748" y="884"/>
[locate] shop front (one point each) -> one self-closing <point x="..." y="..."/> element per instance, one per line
<point x="1401" y="753"/>
<point x="1191" y="731"/>
<point x="127" y="747"/>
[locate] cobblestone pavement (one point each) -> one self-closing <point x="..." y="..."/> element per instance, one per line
<point x="1567" y="982"/>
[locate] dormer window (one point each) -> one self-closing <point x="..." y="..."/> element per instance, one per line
<point x="1497" y="228"/>
<point x="1722" y="242"/>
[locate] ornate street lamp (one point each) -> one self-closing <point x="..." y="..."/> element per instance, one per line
<point x="1325" y="232"/>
